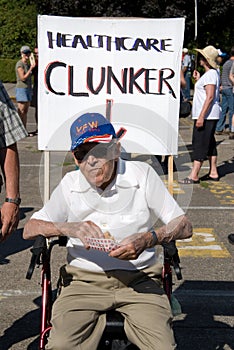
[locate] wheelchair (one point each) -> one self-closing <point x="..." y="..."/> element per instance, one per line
<point x="114" y="331"/>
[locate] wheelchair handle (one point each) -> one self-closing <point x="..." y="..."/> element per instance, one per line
<point x="171" y="255"/>
<point x="38" y="247"/>
<point x="170" y="248"/>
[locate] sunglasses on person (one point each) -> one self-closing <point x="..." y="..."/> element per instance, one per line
<point x="97" y="150"/>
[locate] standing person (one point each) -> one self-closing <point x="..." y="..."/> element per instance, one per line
<point x="11" y="131"/>
<point x="186" y="69"/>
<point x="205" y="112"/>
<point x="231" y="77"/>
<point x="23" y="83"/>
<point x="222" y="58"/>
<point x="227" y="103"/>
<point x="124" y="199"/>
<point x="34" y="102"/>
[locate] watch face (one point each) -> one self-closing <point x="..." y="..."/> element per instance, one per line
<point x="18" y="201"/>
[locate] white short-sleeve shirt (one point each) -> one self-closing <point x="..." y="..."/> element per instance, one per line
<point x="210" y="77"/>
<point x="186" y="62"/>
<point x="132" y="203"/>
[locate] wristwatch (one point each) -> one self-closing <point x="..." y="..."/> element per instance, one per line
<point x="16" y="200"/>
<point x="155" y="237"/>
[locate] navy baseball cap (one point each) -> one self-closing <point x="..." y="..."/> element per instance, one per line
<point x="91" y="127"/>
<point x="25" y="49"/>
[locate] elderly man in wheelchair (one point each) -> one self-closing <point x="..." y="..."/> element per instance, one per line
<point x="107" y="211"/>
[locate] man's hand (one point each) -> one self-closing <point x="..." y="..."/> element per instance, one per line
<point x="9" y="219"/>
<point x="82" y="230"/>
<point x="9" y="160"/>
<point x="132" y="246"/>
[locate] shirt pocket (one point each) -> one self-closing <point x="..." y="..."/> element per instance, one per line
<point x="142" y="216"/>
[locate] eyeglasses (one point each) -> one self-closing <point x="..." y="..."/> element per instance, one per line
<point x="97" y="150"/>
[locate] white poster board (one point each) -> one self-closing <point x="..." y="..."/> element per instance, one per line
<point x="132" y="63"/>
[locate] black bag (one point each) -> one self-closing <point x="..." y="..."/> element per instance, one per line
<point x="185" y="109"/>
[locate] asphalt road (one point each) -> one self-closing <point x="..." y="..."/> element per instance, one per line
<point x="206" y="292"/>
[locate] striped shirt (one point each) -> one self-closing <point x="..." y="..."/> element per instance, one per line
<point x="225" y="81"/>
<point x="232" y="69"/>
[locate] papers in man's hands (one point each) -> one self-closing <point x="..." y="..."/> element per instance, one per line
<point x="102" y="244"/>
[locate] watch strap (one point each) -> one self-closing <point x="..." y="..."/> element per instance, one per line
<point x="16" y="200"/>
<point x="155" y="238"/>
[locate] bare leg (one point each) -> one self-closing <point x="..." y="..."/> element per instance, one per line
<point x="23" y="110"/>
<point x="195" y="170"/>
<point x="213" y="166"/>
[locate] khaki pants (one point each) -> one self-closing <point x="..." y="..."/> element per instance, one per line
<point x="78" y="320"/>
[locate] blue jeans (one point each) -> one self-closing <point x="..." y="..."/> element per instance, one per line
<point x="227" y="106"/>
<point x="186" y="90"/>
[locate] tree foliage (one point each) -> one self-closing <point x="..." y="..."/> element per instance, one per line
<point x="17" y="26"/>
<point x="215" y="19"/>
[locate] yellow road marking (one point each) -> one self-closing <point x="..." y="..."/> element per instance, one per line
<point x="204" y="243"/>
<point x="223" y="192"/>
<point x="176" y="187"/>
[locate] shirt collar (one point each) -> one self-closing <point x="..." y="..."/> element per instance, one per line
<point x="125" y="179"/>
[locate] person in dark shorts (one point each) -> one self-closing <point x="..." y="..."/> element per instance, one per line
<point x="205" y="112"/>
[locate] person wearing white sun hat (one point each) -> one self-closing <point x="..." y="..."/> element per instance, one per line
<point x="205" y="112"/>
<point x="210" y="53"/>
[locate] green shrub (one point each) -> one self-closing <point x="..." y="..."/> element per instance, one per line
<point x="7" y="70"/>
<point x="18" y="26"/>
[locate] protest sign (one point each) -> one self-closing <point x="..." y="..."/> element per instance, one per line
<point x="127" y="69"/>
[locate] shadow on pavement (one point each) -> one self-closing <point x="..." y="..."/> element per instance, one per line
<point x="24" y="210"/>
<point x="206" y="306"/>
<point x="26" y="327"/>
<point x="226" y="168"/>
<point x="15" y="243"/>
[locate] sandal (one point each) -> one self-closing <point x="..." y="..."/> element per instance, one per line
<point x="188" y="181"/>
<point x="210" y="178"/>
